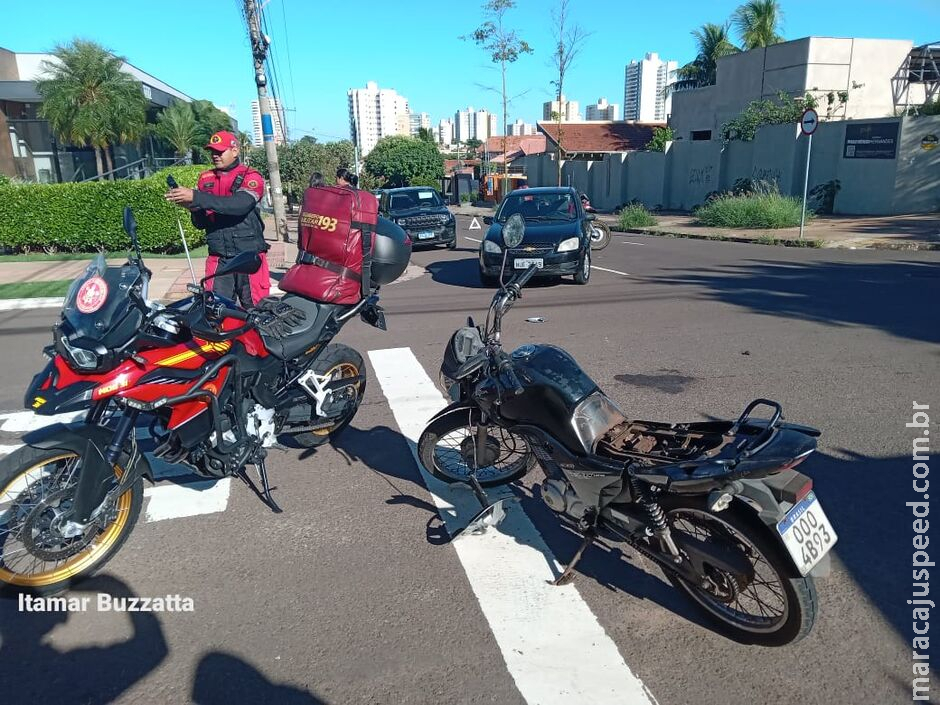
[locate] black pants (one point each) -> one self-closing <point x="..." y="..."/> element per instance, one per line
<point x="235" y="287"/>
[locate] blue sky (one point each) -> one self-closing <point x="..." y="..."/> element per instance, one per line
<point x="324" y="48"/>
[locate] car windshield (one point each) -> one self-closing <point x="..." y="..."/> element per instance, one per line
<point x="413" y="199"/>
<point x="542" y="206"/>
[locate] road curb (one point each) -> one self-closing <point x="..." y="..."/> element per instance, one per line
<point x="787" y="242"/>
<point x="39" y="302"/>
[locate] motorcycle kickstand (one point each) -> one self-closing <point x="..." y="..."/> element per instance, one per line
<point x="478" y="489"/>
<point x="264" y="494"/>
<point x="568" y="574"/>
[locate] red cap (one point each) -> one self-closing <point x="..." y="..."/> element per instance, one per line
<point x="221" y="141"/>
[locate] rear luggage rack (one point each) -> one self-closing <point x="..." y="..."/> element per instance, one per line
<point x="750" y="446"/>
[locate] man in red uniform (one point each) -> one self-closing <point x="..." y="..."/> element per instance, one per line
<point x="225" y="204"/>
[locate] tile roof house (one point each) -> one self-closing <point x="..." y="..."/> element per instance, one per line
<point x="516" y="146"/>
<point x="592" y="140"/>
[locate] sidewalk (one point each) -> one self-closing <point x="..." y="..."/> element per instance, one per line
<point x="895" y="232"/>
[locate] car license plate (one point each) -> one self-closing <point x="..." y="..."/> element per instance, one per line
<point x="807" y="533"/>
<point x="425" y="236"/>
<point x="525" y="263"/>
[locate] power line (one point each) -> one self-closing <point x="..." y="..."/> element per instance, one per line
<point x="274" y="77"/>
<point x="290" y="67"/>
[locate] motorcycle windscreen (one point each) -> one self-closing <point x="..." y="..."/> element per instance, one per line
<point x="97" y="305"/>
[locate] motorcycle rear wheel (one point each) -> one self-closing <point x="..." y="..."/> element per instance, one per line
<point x="786" y="602"/>
<point x="339" y="362"/>
<point x="445" y="453"/>
<point x="36" y="487"/>
<point x="600" y="235"/>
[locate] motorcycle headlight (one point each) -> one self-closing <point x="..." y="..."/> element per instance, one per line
<point x="492" y="247"/>
<point x="572" y="243"/>
<point x="79" y="357"/>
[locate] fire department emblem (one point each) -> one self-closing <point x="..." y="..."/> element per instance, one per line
<point x="252" y="183"/>
<point x="215" y="139"/>
<point x="92" y="295"/>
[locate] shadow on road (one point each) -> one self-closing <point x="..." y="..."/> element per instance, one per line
<point x="896" y="297"/>
<point x="33" y="670"/>
<point x="222" y="679"/>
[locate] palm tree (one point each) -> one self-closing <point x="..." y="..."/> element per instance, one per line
<point x="177" y="125"/>
<point x="88" y="99"/>
<point x="712" y="42"/>
<point x="757" y="22"/>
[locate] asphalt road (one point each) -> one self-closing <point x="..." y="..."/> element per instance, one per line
<point x="354" y="596"/>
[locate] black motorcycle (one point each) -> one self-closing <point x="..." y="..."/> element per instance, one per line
<point x="717" y="505"/>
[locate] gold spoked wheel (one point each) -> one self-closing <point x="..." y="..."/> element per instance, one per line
<point x="36" y="548"/>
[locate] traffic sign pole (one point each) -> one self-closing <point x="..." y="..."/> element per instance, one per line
<point x="809" y="121"/>
<point x="809" y="151"/>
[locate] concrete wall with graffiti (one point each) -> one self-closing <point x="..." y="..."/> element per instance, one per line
<point x="875" y="167"/>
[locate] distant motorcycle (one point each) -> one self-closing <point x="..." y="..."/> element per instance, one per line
<point x="717" y="505"/>
<point x="600" y="232"/>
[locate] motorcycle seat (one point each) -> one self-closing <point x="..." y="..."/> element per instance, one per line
<point x="320" y="323"/>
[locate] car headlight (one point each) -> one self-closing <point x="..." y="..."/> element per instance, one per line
<point x="490" y="246"/>
<point x="572" y="243"/>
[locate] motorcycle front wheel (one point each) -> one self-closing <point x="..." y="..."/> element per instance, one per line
<point x="37" y="487"/>
<point x="777" y="607"/>
<point x="447" y="449"/>
<point x="600" y="235"/>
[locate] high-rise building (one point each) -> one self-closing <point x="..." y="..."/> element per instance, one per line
<point x="645" y="97"/>
<point x="568" y="110"/>
<point x="375" y="113"/>
<point x="277" y="118"/>
<point x="602" y="110"/>
<point x="418" y="121"/>
<point x="472" y="124"/>
<point x="520" y="128"/>
<point x="445" y="132"/>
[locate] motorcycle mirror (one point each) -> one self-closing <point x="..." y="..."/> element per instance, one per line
<point x="514" y="231"/>
<point x="242" y="263"/>
<point x="130" y="223"/>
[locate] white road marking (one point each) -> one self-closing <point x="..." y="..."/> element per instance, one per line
<point x="174" y="501"/>
<point x="39" y="302"/>
<point x="553" y="646"/>
<point x="612" y="271"/>
<point x="471" y="238"/>
<point x="189" y="495"/>
<point x="628" y="242"/>
<point x="25" y="421"/>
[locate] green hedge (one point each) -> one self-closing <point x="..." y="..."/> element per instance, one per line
<point x="87" y="217"/>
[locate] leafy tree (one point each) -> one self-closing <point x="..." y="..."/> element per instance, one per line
<point x="785" y="109"/>
<point x="757" y="22"/>
<point x="177" y="125"/>
<point x="245" y="141"/>
<point x="504" y="48"/>
<point x="712" y="42"/>
<point x="89" y="100"/>
<point x="425" y="134"/>
<point x="473" y="144"/>
<point x="300" y="159"/>
<point x="398" y="160"/>
<point x="661" y="135"/>
<point x="209" y="120"/>
<point x="569" y="40"/>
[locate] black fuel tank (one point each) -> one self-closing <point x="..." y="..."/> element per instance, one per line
<point x="554" y="384"/>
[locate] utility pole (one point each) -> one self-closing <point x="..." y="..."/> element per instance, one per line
<point x="259" y="50"/>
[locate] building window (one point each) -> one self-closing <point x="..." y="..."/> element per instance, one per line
<point x="701" y="135"/>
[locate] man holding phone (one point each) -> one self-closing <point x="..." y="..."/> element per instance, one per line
<point x="225" y="205"/>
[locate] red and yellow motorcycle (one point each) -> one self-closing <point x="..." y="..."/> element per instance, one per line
<point x="215" y="384"/>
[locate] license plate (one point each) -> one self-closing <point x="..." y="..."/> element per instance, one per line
<point x="425" y="236"/>
<point x="526" y="263"/>
<point x="807" y="533"/>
